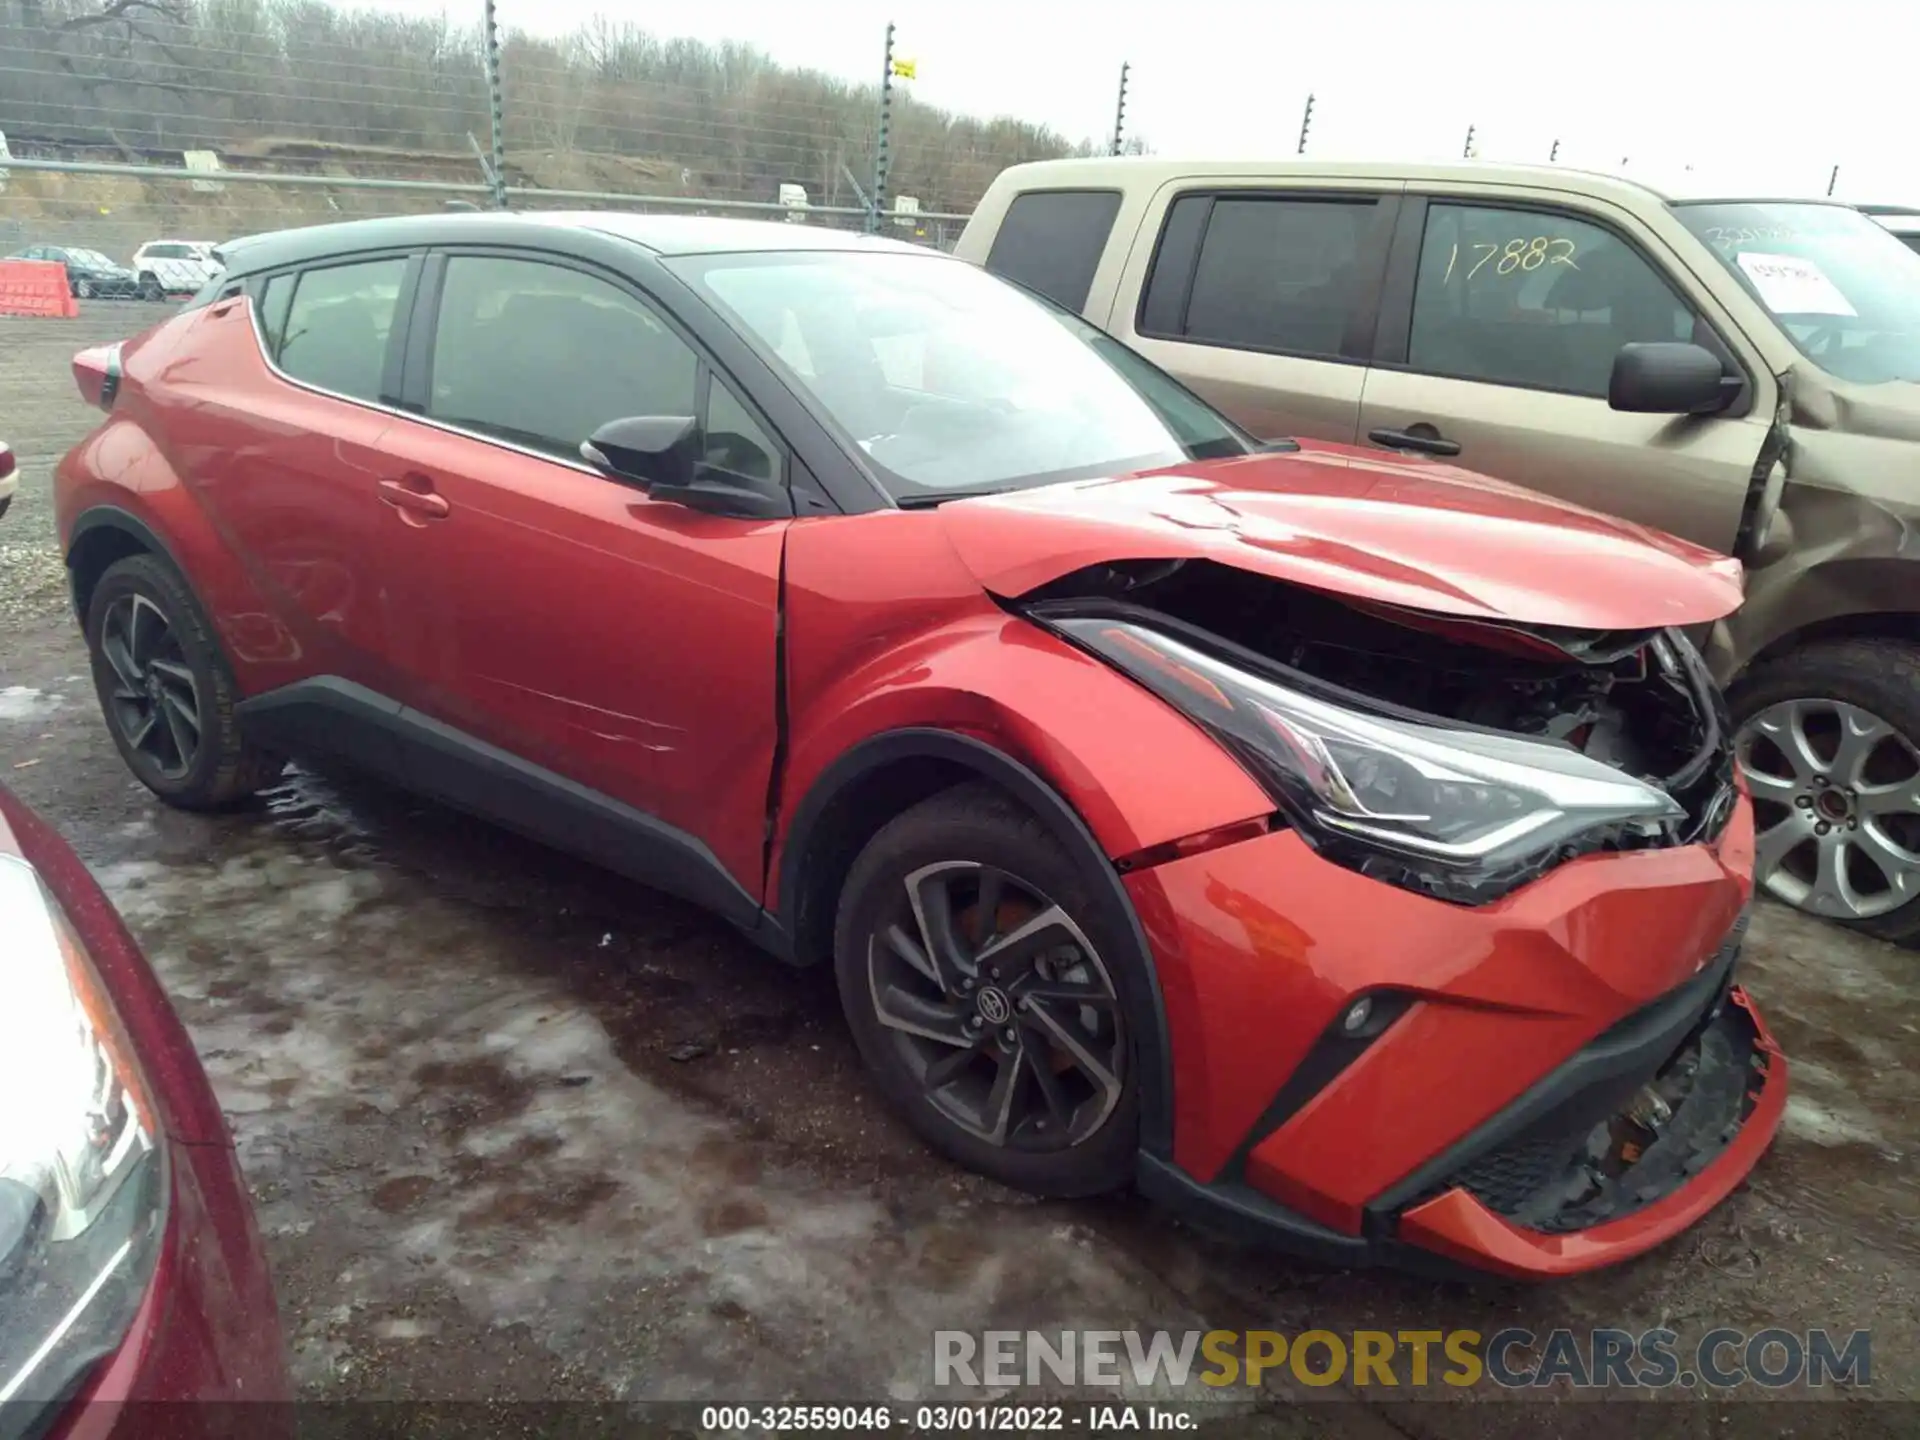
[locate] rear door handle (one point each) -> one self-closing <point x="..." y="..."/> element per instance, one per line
<point x="1422" y="437"/>
<point x="415" y="495"/>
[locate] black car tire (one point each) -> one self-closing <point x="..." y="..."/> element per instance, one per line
<point x="83" y="288"/>
<point x="223" y="768"/>
<point x="151" y="288"/>
<point x="979" y="826"/>
<point x="1881" y="677"/>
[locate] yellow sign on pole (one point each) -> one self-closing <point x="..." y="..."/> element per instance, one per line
<point x="904" y="69"/>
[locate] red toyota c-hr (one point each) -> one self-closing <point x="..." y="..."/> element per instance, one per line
<point x="130" y="1267"/>
<point x="1345" y="847"/>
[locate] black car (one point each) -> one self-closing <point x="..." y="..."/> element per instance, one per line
<point x="89" y="273"/>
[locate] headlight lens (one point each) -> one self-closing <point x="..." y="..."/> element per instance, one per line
<point x="81" y="1192"/>
<point x="1459" y="813"/>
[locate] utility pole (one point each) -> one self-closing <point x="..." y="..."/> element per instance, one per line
<point x="497" y="170"/>
<point x="1833" y="180"/>
<point x="1306" y="119"/>
<point x="1120" y="111"/>
<point x="877" y="201"/>
<point x="1466" y="152"/>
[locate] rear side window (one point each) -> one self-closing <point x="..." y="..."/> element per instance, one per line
<point x="337" y="326"/>
<point x="1272" y="274"/>
<point x="168" y="252"/>
<point x="274" y="301"/>
<point x="1052" y="241"/>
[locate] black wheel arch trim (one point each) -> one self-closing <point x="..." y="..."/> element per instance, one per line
<point x="1032" y="790"/>
<point x="111" y="517"/>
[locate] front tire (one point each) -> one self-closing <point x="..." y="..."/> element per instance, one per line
<point x="988" y="998"/>
<point x="165" y="689"/>
<point x="151" y="289"/>
<point x="1829" y="739"/>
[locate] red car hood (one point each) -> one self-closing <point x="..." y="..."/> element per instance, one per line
<point x="1353" y="522"/>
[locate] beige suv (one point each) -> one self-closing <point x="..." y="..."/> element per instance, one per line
<point x="1740" y="372"/>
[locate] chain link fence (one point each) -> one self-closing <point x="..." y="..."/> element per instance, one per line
<point x="128" y="122"/>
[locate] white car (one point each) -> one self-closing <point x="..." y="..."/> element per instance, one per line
<point x="173" y="267"/>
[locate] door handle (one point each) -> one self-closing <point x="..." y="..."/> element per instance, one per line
<point x="1421" y="437"/>
<point x="415" y="496"/>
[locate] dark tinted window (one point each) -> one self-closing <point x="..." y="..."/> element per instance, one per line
<point x="1912" y="242"/>
<point x="337" y="326"/>
<point x="169" y="252"/>
<point x="543" y="355"/>
<point x="1052" y="240"/>
<point x="1523" y="297"/>
<point x="1163" y="306"/>
<point x="274" y="301"/>
<point x="1278" y="274"/>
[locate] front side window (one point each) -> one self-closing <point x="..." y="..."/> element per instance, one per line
<point x="542" y="355"/>
<point x="1052" y="240"/>
<point x="168" y="252"/>
<point x="337" y="325"/>
<point x="948" y="380"/>
<point x="1844" y="289"/>
<point x="1533" y="298"/>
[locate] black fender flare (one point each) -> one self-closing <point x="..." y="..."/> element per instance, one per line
<point x="111" y="517"/>
<point x="1153" y="1050"/>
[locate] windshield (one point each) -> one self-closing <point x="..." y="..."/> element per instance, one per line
<point x="949" y="380"/>
<point x="1845" y="290"/>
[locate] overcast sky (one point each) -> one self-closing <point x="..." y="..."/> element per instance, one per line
<point x="1753" y="94"/>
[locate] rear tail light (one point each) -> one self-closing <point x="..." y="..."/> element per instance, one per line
<point x="97" y="373"/>
<point x="6" y="462"/>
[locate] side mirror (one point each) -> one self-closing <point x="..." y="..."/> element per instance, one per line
<point x="1670" y="377"/>
<point x="646" y="450"/>
<point x="663" y="455"/>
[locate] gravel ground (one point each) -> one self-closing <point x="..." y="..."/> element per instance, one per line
<point x="519" y="1131"/>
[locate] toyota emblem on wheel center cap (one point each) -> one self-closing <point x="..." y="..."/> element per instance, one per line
<point x="994" y="1008"/>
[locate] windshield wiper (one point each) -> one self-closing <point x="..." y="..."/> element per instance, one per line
<point x="932" y="499"/>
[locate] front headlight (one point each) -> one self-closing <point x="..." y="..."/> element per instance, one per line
<point x="1459" y="813"/>
<point x="81" y="1193"/>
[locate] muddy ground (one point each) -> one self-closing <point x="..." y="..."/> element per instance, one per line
<point x="519" y="1130"/>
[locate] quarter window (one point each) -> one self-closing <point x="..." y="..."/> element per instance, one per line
<point x="1272" y="274"/>
<point x="336" y="330"/>
<point x="1052" y="240"/>
<point x="1525" y="297"/>
<point x="273" y="311"/>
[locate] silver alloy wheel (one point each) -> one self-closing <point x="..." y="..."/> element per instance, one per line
<point x="155" y="701"/>
<point x="84" y="289"/>
<point x="1836" y="794"/>
<point x="1000" y="1006"/>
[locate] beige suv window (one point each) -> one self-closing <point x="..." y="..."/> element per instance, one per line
<point x="1525" y="297"/>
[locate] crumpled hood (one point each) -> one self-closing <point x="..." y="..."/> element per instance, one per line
<point x="1361" y="524"/>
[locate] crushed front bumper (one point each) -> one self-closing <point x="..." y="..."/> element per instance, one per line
<point x="1484" y="1127"/>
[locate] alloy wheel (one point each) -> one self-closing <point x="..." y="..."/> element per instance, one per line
<point x="154" y="701"/>
<point x="84" y="289"/>
<point x="1000" y="1005"/>
<point x="1836" y="794"/>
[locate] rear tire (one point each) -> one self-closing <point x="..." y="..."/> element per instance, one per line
<point x="166" y="692"/>
<point x="1013" y="1052"/>
<point x="1829" y="738"/>
<point x="83" y="289"/>
<point x="151" y="289"/>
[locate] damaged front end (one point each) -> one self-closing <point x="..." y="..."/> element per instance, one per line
<point x="1460" y="758"/>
